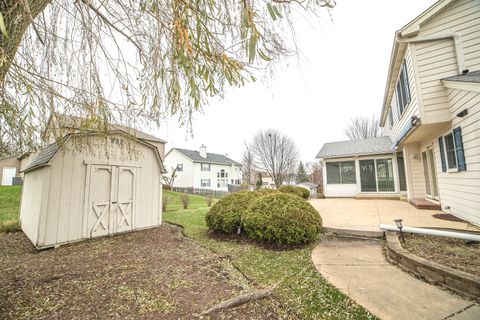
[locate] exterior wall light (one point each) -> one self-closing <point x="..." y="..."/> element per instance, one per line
<point x="398" y="223"/>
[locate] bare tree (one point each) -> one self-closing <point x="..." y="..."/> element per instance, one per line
<point x="169" y="180"/>
<point x="276" y="153"/>
<point x="131" y="62"/>
<point x="248" y="165"/>
<point x="315" y="173"/>
<point x="363" y="128"/>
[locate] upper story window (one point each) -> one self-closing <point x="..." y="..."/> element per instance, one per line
<point x="403" y="89"/>
<point x="390" y="117"/>
<point x="222" y="174"/>
<point x="205" y="167"/>
<point x="180" y="167"/>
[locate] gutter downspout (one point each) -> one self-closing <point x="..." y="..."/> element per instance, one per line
<point x="456" y="42"/>
<point x="433" y="232"/>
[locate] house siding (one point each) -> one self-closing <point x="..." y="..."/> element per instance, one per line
<point x="412" y="109"/>
<point x="461" y="190"/>
<point x="437" y="59"/>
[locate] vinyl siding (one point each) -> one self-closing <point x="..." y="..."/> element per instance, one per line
<point x="411" y="109"/>
<point x="414" y="169"/>
<point x="461" y="190"/>
<point x="435" y="60"/>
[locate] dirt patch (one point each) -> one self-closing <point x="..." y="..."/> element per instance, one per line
<point x="454" y="253"/>
<point x="148" y="274"/>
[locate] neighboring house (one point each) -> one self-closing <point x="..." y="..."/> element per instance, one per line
<point x="312" y="187"/>
<point x="112" y="184"/>
<point x="199" y="169"/>
<point x="430" y="114"/>
<point x="11" y="169"/>
<point x="267" y="180"/>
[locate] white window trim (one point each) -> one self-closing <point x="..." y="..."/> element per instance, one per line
<point x="444" y="141"/>
<point x="395" y="177"/>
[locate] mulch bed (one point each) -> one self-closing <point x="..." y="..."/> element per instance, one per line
<point x="150" y="274"/>
<point x="453" y="253"/>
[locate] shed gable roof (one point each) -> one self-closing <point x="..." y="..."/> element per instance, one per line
<point x="211" y="157"/>
<point x="339" y="149"/>
<point x="47" y="153"/>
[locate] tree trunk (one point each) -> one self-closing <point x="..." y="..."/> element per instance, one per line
<point x="17" y="19"/>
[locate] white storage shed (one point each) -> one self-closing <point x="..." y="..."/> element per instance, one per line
<point x="110" y="185"/>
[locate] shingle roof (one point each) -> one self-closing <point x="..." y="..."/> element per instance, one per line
<point x="76" y="123"/>
<point x="43" y="157"/>
<point x="356" y="147"/>
<point x="211" y="157"/>
<point x="473" y="76"/>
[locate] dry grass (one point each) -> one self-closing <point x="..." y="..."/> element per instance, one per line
<point x="454" y="253"/>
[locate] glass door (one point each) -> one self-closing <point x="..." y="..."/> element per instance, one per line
<point x="433" y="173"/>
<point x="367" y="176"/>
<point x="385" y="179"/>
<point x="431" y="184"/>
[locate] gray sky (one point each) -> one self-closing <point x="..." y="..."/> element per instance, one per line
<point x="340" y="73"/>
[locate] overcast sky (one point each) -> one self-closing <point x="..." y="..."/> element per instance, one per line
<point x="340" y="73"/>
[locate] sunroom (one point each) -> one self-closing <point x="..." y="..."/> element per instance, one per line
<point x="363" y="168"/>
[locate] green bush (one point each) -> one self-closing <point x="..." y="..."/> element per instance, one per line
<point x="226" y="215"/>
<point x="298" y="191"/>
<point x="282" y="218"/>
<point x="264" y="192"/>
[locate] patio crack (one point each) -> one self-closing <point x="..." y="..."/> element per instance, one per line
<point x="456" y="313"/>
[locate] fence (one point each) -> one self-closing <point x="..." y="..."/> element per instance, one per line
<point x="201" y="192"/>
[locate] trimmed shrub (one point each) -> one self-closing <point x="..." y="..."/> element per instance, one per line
<point x="298" y="191"/>
<point x="264" y="192"/>
<point x="226" y="215"/>
<point x="282" y="218"/>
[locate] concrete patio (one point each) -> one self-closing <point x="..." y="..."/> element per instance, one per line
<point x="365" y="216"/>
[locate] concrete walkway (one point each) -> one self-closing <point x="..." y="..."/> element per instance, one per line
<point x="366" y="215"/>
<point x="358" y="268"/>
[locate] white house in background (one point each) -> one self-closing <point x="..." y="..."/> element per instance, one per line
<point x="199" y="169"/>
<point x="431" y="116"/>
<point x="267" y="180"/>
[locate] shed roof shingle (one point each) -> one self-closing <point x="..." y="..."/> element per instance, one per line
<point x="377" y="145"/>
<point x="473" y="76"/>
<point x="211" y="157"/>
<point x="44" y="156"/>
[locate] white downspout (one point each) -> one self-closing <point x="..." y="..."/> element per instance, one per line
<point x="433" y="232"/>
<point x="456" y="42"/>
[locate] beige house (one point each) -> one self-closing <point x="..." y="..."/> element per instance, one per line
<point x="111" y="184"/>
<point x="430" y="113"/>
<point x="11" y="169"/>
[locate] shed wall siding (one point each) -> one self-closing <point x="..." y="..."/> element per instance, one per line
<point x="64" y="221"/>
<point x="31" y="208"/>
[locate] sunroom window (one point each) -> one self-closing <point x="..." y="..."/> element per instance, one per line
<point x="341" y="172"/>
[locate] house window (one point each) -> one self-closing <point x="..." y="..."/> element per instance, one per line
<point x="205" y="182"/>
<point x="222" y="174"/>
<point x="403" y="89"/>
<point x="222" y="183"/>
<point x="341" y="172"/>
<point x="450" y="149"/>
<point x="390" y="117"/>
<point x="180" y="167"/>
<point x="205" y="167"/>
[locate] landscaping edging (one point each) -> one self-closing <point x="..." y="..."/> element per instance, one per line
<point x="463" y="283"/>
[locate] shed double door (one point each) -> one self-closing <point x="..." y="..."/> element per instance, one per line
<point x="111" y="200"/>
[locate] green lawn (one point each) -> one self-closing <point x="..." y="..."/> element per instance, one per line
<point x="175" y="203"/>
<point x="9" y="207"/>
<point x="304" y="292"/>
